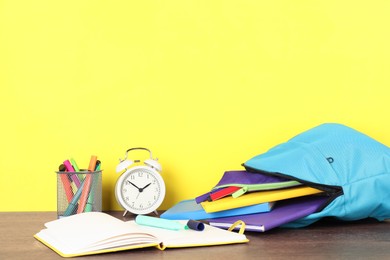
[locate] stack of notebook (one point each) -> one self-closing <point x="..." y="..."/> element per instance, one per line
<point x="261" y="201"/>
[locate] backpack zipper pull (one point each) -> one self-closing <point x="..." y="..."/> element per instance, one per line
<point x="240" y="192"/>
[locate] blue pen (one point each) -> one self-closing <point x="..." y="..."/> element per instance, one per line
<point x="159" y="223"/>
<point x="71" y="209"/>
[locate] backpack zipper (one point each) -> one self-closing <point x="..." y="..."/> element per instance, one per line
<point x="258" y="187"/>
<point x="333" y="191"/>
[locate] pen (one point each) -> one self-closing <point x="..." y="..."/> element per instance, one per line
<point x="159" y="223"/>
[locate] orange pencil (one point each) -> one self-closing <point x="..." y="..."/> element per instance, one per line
<point x="87" y="184"/>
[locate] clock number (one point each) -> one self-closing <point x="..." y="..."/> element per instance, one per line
<point x="140" y="174"/>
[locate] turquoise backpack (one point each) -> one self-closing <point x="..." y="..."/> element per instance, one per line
<point x="352" y="168"/>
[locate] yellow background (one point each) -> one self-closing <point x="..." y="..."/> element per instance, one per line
<point x="205" y="85"/>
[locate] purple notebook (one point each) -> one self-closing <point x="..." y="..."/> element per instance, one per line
<point x="283" y="212"/>
<point x="243" y="178"/>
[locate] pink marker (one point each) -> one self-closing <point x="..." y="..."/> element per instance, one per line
<point x="74" y="177"/>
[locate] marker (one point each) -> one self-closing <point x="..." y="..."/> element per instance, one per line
<point x="84" y="194"/>
<point x="159" y="223"/>
<point x="74" y="164"/>
<point x="195" y="225"/>
<point x="77" y="169"/>
<point x="74" y="177"/>
<point x="91" y="197"/>
<point x="92" y="163"/>
<point x="87" y="186"/>
<point x="203" y="197"/>
<point x="62" y="168"/>
<point x="71" y="209"/>
<point x="68" y="166"/>
<point x="66" y="183"/>
<point x="223" y="192"/>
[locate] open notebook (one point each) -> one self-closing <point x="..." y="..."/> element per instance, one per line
<point x="97" y="232"/>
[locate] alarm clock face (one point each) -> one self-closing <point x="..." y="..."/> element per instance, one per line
<point x="140" y="190"/>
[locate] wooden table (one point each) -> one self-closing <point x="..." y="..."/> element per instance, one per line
<point x="327" y="239"/>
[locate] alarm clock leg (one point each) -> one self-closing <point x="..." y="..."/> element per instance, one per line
<point x="124" y="213"/>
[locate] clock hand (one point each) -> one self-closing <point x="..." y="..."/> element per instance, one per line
<point x="145" y="186"/>
<point x="140" y="190"/>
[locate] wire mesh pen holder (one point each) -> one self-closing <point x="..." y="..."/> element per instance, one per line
<point x="78" y="192"/>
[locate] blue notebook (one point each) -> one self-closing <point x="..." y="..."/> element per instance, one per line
<point x="189" y="209"/>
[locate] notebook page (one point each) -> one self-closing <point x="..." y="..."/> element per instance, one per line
<point x="94" y="229"/>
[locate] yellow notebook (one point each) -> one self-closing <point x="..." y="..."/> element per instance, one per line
<point x="97" y="232"/>
<point x="256" y="198"/>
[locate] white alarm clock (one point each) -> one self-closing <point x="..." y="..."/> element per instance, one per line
<point x="140" y="189"/>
